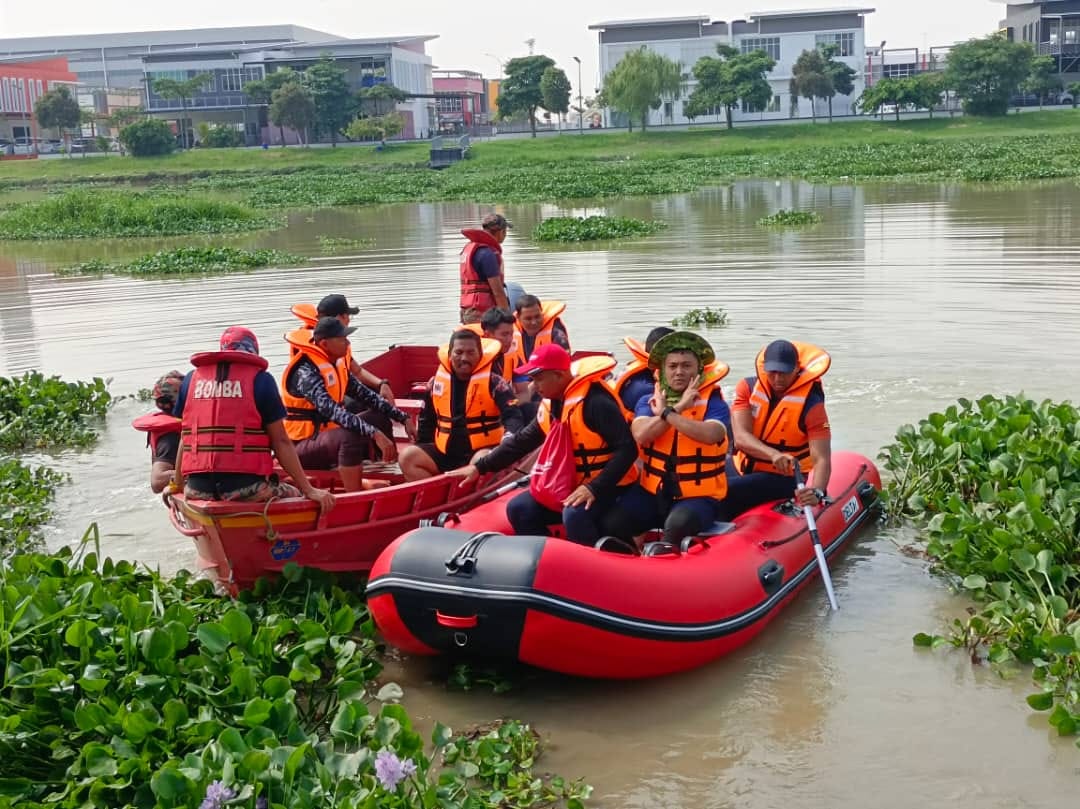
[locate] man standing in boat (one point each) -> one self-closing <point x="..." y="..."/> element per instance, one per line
<point x="314" y="387"/>
<point x="576" y="396"/>
<point x="779" y="420"/>
<point x="483" y="281"/>
<point x="471" y="408"/>
<point x="231" y="419"/>
<point x="681" y="427"/>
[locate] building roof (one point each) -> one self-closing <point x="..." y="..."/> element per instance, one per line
<point x="597" y="26"/>
<point x="339" y="42"/>
<point x="807" y="12"/>
<point x="235" y="34"/>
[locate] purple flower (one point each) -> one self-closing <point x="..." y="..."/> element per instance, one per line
<point x="391" y="770"/>
<point x="262" y="803"/>
<point x="216" y="796"/>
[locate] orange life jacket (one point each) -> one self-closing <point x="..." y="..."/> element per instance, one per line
<point x="550" y="310"/>
<point x="639" y="362"/>
<point x="698" y="467"/>
<point x="302" y="419"/>
<point x="222" y="428"/>
<point x="507" y="363"/>
<point x="476" y="291"/>
<point x="309" y="316"/>
<point x="779" y="424"/>
<point x="483" y="420"/>
<point x="591" y="454"/>
<point x="155" y="425"/>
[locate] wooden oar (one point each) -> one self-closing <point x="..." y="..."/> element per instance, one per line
<point x="823" y="565"/>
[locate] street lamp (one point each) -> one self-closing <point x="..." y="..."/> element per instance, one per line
<point x="580" y="104"/>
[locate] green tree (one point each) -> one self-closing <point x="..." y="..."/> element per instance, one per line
<point x="1074" y="91"/>
<point x="555" y="89"/>
<point x="148" y="137"/>
<point x="925" y="90"/>
<point x="182" y="91"/>
<point x="520" y="91"/>
<point x="841" y="75"/>
<point x="261" y="91"/>
<point x="293" y="106"/>
<point x="58" y="109"/>
<point x="811" y="79"/>
<point x="380" y="99"/>
<point x="642" y="80"/>
<point x="986" y="72"/>
<point x="729" y="79"/>
<point x="1042" y="77"/>
<point x="334" y="102"/>
<point x="896" y="92"/>
<point x="376" y="128"/>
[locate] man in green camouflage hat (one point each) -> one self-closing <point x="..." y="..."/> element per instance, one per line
<point x="682" y="430"/>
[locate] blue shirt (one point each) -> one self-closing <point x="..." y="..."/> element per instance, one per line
<point x="267" y="398"/>
<point x="716" y="410"/>
<point x="640" y="384"/>
<point x="486" y="262"/>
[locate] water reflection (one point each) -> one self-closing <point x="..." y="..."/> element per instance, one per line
<point x="921" y="293"/>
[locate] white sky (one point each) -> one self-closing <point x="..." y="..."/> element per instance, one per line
<point x="470" y="30"/>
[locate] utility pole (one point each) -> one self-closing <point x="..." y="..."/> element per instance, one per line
<point x="530" y="42"/>
<point x="580" y="104"/>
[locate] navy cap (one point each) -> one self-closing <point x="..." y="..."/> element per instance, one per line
<point x="781" y="356"/>
<point x="334" y="305"/>
<point x="329" y="327"/>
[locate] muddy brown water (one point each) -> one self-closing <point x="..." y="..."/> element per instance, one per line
<point x="921" y="293"/>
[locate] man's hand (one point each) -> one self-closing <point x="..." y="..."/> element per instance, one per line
<point x="410" y="429"/>
<point x="656" y="401"/>
<point x="387" y="392"/>
<point x="386" y="446"/>
<point x="324" y="498"/>
<point x="807" y="497"/>
<point x="581" y="496"/>
<point x="689" y="395"/>
<point x="784" y="463"/>
<point x="469" y="473"/>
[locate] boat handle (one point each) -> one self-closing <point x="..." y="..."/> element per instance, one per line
<point x="455" y="621"/>
<point x="183" y="529"/>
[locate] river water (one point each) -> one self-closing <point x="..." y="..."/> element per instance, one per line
<point x="921" y="293"/>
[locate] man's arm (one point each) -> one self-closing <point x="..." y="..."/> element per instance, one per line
<point x="513" y="420"/>
<point x="499" y="292"/>
<point x="821" y="455"/>
<point x="559" y="335"/>
<point x="161" y="472"/>
<point x="285" y="452"/>
<point x="375" y="383"/>
<point x="523" y="442"/>
<point x="647" y="425"/>
<point x="604" y="417"/>
<point x="488" y="265"/>
<point x="164" y="461"/>
<point x="309" y="384"/>
<point x="372" y="400"/>
<point x="425" y="424"/>
<point x="742" y="424"/>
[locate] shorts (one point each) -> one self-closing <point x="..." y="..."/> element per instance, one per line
<point x="444" y="462"/>
<point x="334" y="448"/>
<point x="217" y="488"/>
<point x="470" y="315"/>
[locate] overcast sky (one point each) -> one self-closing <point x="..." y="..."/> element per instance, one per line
<point x="468" y="31"/>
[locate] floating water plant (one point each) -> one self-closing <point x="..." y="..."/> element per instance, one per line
<point x="594" y="228"/>
<point x="698" y="318"/>
<point x="790" y="219"/>
<point x="187" y="261"/>
<point x="330" y="244"/>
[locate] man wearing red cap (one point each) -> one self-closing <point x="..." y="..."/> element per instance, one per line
<point x="577" y="396"/>
<point x="232" y="417"/>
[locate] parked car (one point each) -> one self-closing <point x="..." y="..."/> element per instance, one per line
<point x="6" y="146"/>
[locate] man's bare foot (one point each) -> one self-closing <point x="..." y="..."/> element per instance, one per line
<point x="368" y="485"/>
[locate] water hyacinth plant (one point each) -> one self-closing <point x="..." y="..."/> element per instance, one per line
<point x="330" y="244"/>
<point x="698" y="318"/>
<point x="593" y="228"/>
<point x="996" y="484"/>
<point x="187" y="261"/>
<point x="789" y="219"/>
<point x="127" y="689"/>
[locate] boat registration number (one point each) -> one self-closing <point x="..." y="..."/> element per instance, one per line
<point x="851" y="508"/>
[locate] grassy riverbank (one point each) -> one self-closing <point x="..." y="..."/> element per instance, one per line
<point x="1019" y="147"/>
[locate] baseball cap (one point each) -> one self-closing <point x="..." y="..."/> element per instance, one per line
<point x="495" y="221"/>
<point x="551" y="357"/>
<point x="239" y="338"/>
<point x="334" y="305"/>
<point x="166" y="389"/>
<point x="781" y="356"/>
<point x="329" y="327"/>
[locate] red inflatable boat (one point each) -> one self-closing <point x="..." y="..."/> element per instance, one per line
<point x="594" y="613"/>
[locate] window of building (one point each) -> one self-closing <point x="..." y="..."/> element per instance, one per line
<point x="5" y="90"/>
<point x="844" y="42"/>
<point x="231" y="79"/>
<point x="771" y="46"/>
<point x="21" y="106"/>
<point x="900" y="71"/>
<point x="448" y="103"/>
<point x="253" y="74"/>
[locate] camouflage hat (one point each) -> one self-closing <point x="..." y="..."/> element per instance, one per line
<point x="167" y="389"/>
<point x="681" y="341"/>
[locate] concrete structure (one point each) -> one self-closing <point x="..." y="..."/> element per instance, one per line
<point x="782" y="34"/>
<point x="22" y="83"/>
<point x="461" y="101"/>
<point x="235" y="56"/>
<point x="1053" y="29"/>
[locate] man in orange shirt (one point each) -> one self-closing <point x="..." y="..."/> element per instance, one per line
<point x="779" y="420"/>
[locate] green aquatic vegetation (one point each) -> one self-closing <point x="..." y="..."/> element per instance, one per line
<point x="39" y="412"/>
<point x="124" y="688"/>
<point x="996" y="483"/>
<point x="25" y="495"/>
<point x="698" y="318"/>
<point x="84" y="213"/>
<point x="330" y="244"/>
<point x="593" y="228"/>
<point x="187" y="261"/>
<point x="787" y="219"/>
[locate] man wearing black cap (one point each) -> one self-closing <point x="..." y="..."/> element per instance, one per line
<point x="483" y="282"/>
<point x="779" y="420"/>
<point x="314" y="386"/>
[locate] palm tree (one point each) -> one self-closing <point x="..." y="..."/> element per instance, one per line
<point x="182" y="91"/>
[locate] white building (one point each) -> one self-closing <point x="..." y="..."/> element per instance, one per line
<point x="784" y="35"/>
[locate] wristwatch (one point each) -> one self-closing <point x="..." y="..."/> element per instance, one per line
<point x="385" y="382"/>
<point x="667" y="411"/>
<point x="820" y="495"/>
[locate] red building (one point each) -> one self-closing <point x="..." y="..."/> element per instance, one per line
<point x="22" y="83"/>
<point x="461" y="100"/>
